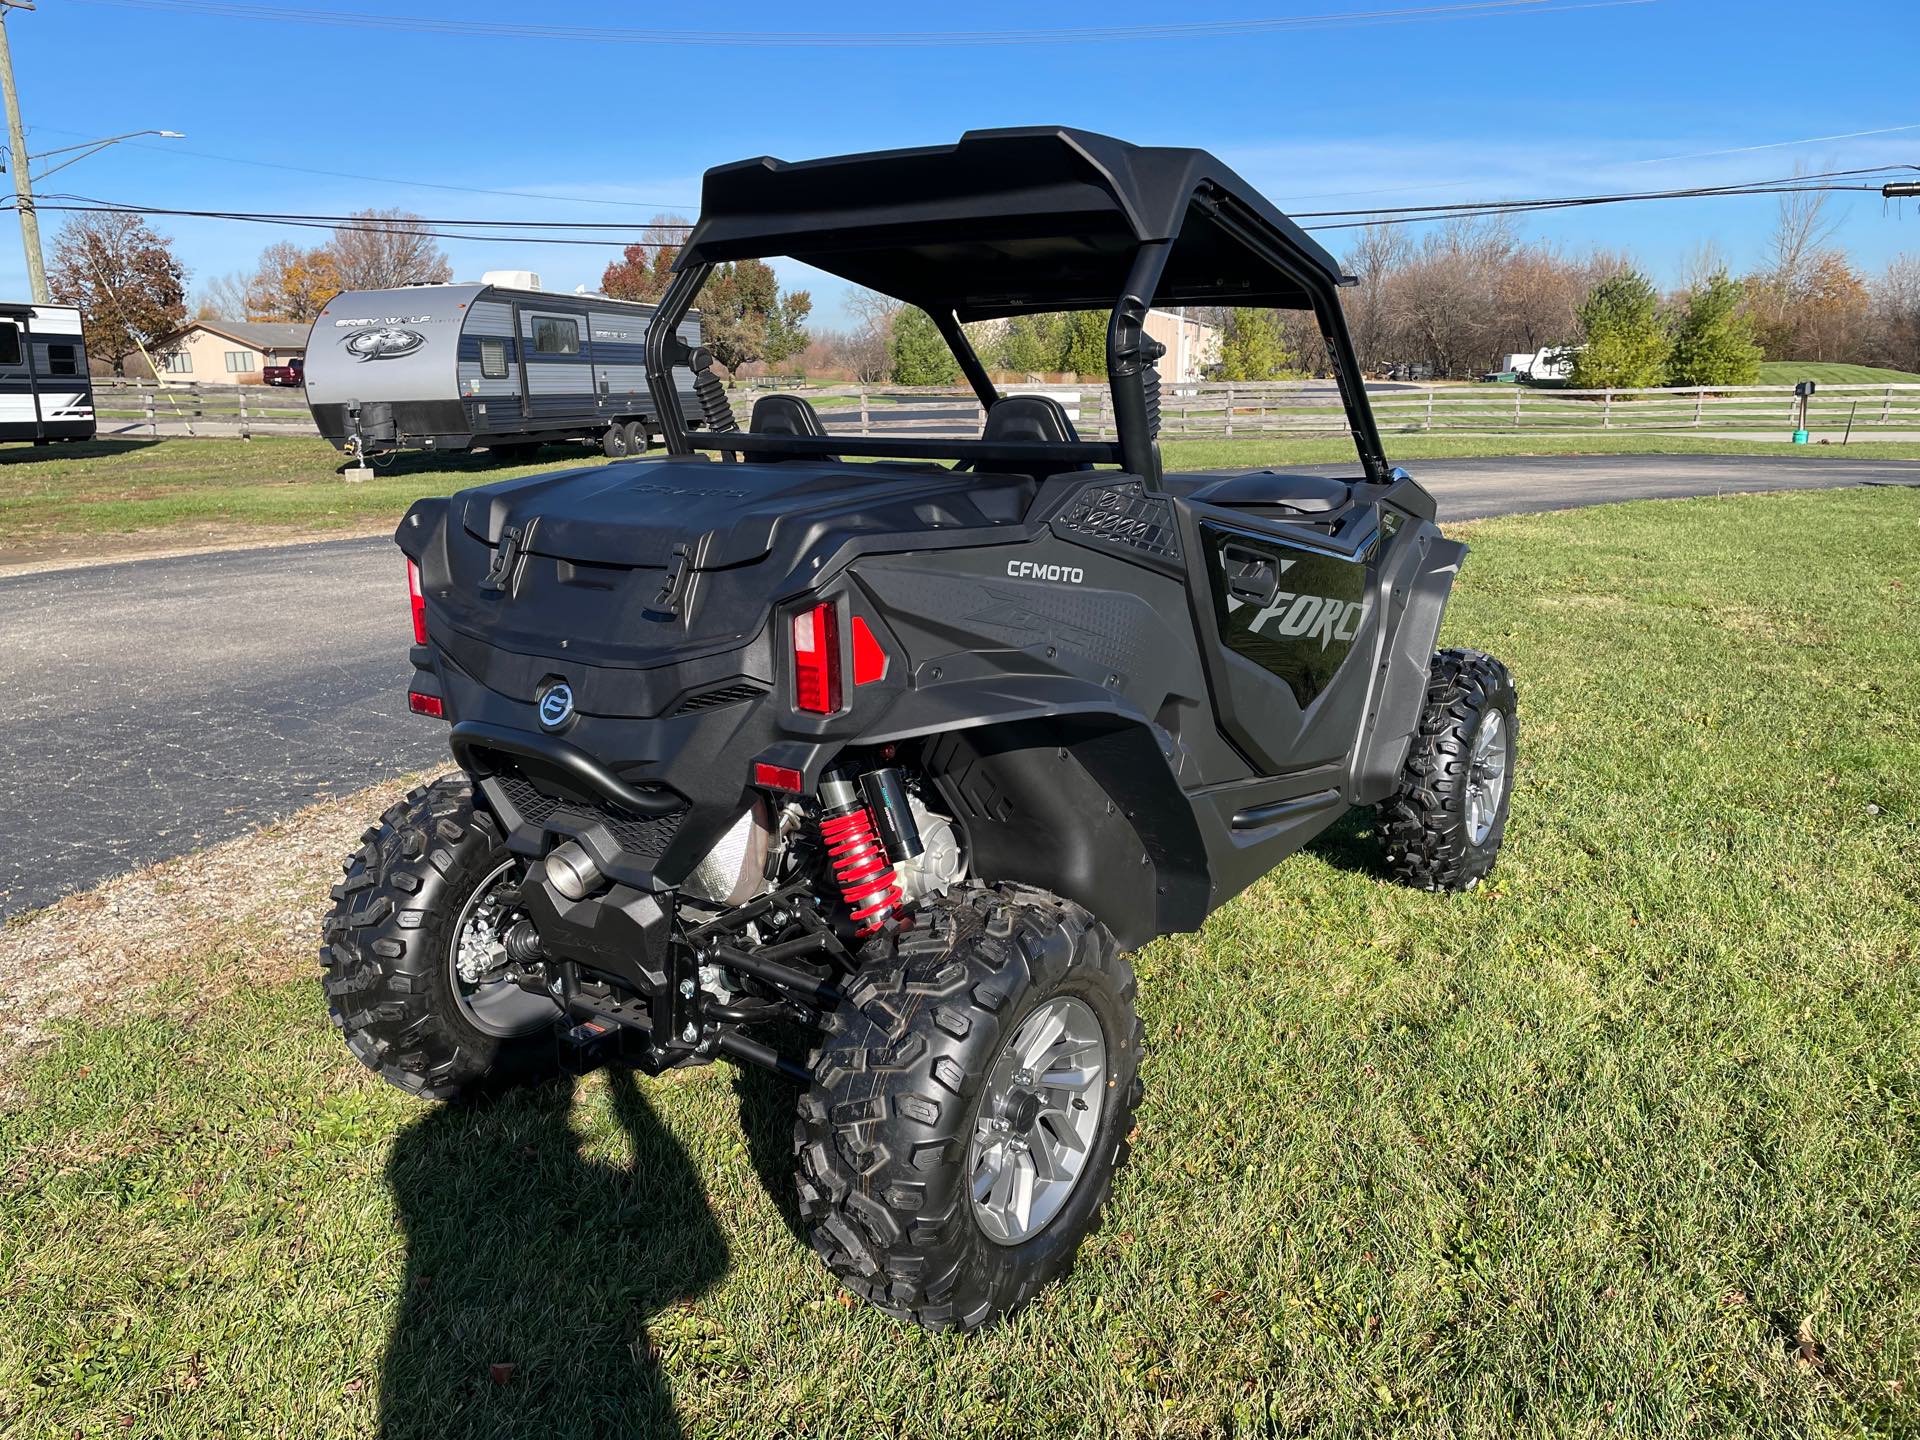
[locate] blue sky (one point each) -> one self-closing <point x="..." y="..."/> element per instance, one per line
<point x="1544" y="99"/>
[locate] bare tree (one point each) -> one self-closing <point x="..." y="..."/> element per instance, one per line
<point x="384" y="248"/>
<point x="223" y="297"/>
<point x="1895" y="322"/>
<point x="868" y="345"/>
<point x="1376" y="255"/>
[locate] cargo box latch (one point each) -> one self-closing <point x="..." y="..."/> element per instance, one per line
<point x="500" y="569"/>
<point x="673" y="591"/>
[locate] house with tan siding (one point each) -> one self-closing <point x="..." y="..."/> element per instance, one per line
<point x="228" y="352"/>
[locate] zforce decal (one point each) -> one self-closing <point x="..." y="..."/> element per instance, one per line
<point x="1289" y="611"/>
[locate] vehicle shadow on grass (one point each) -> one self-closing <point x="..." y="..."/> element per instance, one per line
<point x="533" y="1272"/>
<point x="1352" y="843"/>
<point x="27" y="453"/>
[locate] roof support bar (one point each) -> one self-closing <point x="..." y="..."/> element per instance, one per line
<point x="665" y="348"/>
<point x="948" y="325"/>
<point x="1129" y="355"/>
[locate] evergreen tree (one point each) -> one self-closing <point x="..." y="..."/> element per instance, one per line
<point x="1086" y="348"/>
<point x="1253" y="346"/>
<point x="1713" y="343"/>
<point x="1624" y="343"/>
<point x="917" y="352"/>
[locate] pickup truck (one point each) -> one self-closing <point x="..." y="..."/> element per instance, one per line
<point x="290" y="373"/>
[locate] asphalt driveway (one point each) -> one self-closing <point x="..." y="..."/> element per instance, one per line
<point x="156" y="706"/>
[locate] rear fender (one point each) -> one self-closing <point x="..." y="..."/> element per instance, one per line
<point x="1082" y="803"/>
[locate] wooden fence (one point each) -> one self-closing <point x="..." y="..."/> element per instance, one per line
<point x="145" y="407"/>
<point x="1209" y="411"/>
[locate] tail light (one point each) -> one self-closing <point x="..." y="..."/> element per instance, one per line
<point x="419" y="603"/>
<point x="816" y="660"/>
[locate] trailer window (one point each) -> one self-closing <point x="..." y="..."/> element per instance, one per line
<point x="493" y="359"/>
<point x="9" y="343"/>
<point x="62" y="360"/>
<point x="556" y="337"/>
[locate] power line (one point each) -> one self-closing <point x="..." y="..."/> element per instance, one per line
<point x="905" y="39"/>
<point x="396" y="180"/>
<point x="480" y="230"/>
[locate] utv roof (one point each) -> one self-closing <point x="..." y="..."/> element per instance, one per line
<point x="1004" y="222"/>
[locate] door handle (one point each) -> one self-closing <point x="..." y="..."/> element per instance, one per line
<point x="1252" y="575"/>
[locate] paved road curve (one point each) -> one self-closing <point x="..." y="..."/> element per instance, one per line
<point x="156" y="706"/>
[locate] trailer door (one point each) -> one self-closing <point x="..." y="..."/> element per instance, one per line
<point x="19" y="386"/>
<point x="558" y="374"/>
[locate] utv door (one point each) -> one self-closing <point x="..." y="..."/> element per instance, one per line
<point x="1293" y="611"/>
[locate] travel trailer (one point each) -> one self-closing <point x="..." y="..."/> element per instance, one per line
<point x="45" y="392"/>
<point x="500" y="365"/>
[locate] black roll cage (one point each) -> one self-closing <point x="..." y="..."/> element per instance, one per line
<point x="1130" y="353"/>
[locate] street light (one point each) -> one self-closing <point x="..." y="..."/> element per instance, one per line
<point x="94" y="147"/>
<point x="21" y="162"/>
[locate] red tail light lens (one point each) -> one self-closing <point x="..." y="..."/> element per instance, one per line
<point x="420" y="703"/>
<point x="816" y="660"/>
<point x="869" y="659"/>
<point x="778" y="777"/>
<point x="419" y="603"/>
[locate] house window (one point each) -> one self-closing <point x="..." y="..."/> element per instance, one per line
<point x="493" y="359"/>
<point x="556" y="337"/>
<point x="178" y="363"/>
<point x="62" y="360"/>
<point x="9" y="343"/>
<point x="239" y="362"/>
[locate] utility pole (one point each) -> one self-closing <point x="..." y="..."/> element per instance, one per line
<point x="17" y="162"/>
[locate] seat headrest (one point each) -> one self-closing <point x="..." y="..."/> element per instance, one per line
<point x="784" y="415"/>
<point x="1029" y="417"/>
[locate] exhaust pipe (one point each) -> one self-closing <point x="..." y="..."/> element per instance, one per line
<point x="571" y="871"/>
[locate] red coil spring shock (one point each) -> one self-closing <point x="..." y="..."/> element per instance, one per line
<point x="860" y="865"/>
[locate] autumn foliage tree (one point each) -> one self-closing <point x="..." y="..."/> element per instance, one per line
<point x="643" y="270"/>
<point x="125" y="279"/>
<point x="292" y="283"/>
<point x="744" y="315"/>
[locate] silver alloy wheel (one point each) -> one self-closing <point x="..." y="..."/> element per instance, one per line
<point x="1487" y="775"/>
<point x="1033" y="1132"/>
<point x="494" y="1006"/>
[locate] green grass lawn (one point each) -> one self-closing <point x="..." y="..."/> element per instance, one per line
<point x="1625" y="1143"/>
<point x="166" y="489"/>
<point x="1792" y="372"/>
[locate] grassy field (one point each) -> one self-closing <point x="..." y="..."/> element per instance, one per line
<point x="1625" y="1143"/>
<point x="1792" y="372"/>
<point x="157" y="492"/>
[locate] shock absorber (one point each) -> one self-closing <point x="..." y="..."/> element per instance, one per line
<point x="858" y="859"/>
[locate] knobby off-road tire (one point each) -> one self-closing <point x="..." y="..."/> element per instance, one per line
<point x="1428" y="825"/>
<point x="386" y="960"/>
<point x="899" y="1081"/>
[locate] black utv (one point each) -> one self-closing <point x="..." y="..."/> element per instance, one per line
<point x="900" y="744"/>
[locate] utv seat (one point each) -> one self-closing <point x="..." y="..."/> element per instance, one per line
<point x="1274" y="490"/>
<point x="785" y="415"/>
<point x="1029" y="418"/>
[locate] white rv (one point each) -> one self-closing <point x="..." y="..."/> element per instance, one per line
<point x="501" y="365"/>
<point x="45" y="392"/>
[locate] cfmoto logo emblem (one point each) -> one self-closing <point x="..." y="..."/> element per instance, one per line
<point x="383" y="344"/>
<point x="556" y="706"/>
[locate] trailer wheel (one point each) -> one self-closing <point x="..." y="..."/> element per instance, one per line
<point x="613" y="444"/>
<point x="637" y="437"/>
